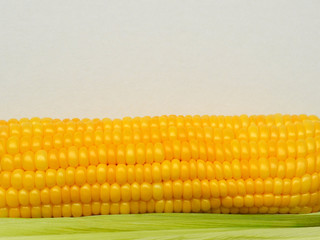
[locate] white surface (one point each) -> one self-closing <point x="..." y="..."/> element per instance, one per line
<point x="135" y="58"/>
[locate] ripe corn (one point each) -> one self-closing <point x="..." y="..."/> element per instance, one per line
<point x="211" y="164"/>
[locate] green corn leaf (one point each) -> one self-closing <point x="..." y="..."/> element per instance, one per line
<point x="165" y="226"/>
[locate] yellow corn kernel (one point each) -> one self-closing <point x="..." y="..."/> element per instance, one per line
<point x="130" y="154"/>
<point x="14" y="212"/>
<point x="223" y="188"/>
<point x="241" y="187"/>
<point x="149" y="153"/>
<point x="66" y="210"/>
<point x="175" y="169"/>
<point x="238" y="201"/>
<point x="314" y="182"/>
<point x="91" y="174"/>
<point x="249" y="186"/>
<point x="121" y="174"/>
<point x="254" y="168"/>
<point x="35" y="197"/>
<point x="232" y="187"/>
<point x="17" y="179"/>
<point x="290" y="168"/>
<point x="13" y="145"/>
<point x="28" y="161"/>
<point x="177" y="205"/>
<point x="115" y="193"/>
<point x="70" y="176"/>
<point x="36" y="143"/>
<point x="167" y="190"/>
<point x="76" y="209"/>
<point x="159" y="152"/>
<point x="195" y="205"/>
<point x="214" y="188"/>
<point x="156" y="172"/>
<point x="139" y="173"/>
<point x="218" y="170"/>
<point x="23" y="196"/>
<point x="281" y="172"/>
<point x="51" y="177"/>
<point x="124" y="208"/>
<point x="45" y="196"/>
<point x="41" y="160"/>
<point x="147" y="171"/>
<point x="7" y="163"/>
<point x="101" y="173"/>
<point x="253" y="132"/>
<point x="73" y="157"/>
<point x="61" y="177"/>
<point x="157" y="190"/>
<point x="311" y="161"/>
<point x="2" y="198"/>
<point x="282" y="150"/>
<point x="205" y="189"/>
<point x="151" y="206"/>
<point x="264" y="168"/>
<point x="126" y="192"/>
<point x="96" y="208"/>
<point x="85" y="193"/>
<point x="28" y="180"/>
<point x="95" y="192"/>
<point x="177" y="189"/>
<point x="268" y="185"/>
<point x="105" y="192"/>
<point x="53" y="161"/>
<point x="301" y="148"/>
<point x="306" y="182"/>
<point x="221" y="164"/>
<point x="5" y="179"/>
<point x="25" y="212"/>
<point x="75" y="193"/>
<point x="93" y="155"/>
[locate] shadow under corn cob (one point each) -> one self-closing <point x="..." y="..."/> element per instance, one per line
<point x="214" y="164"/>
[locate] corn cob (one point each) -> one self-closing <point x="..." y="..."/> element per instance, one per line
<point x="215" y="164"/>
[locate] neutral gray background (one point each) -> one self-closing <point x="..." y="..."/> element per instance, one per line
<point x="135" y="58"/>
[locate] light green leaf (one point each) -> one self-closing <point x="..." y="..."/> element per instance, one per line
<point x="165" y="226"/>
